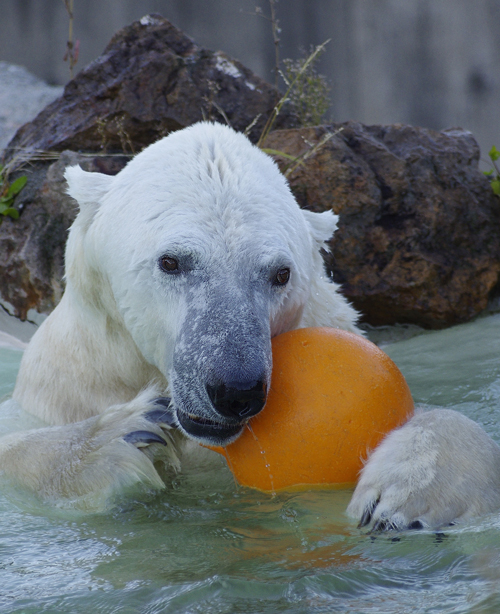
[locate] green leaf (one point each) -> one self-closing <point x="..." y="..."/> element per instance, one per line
<point x="496" y="186"/>
<point x="488" y="173"/>
<point x="494" y="153"/>
<point x="3" y="207"/>
<point x="7" y="202"/>
<point x="14" y="213"/>
<point x="17" y="186"/>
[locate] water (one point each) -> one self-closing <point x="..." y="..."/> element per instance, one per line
<point x="267" y="464"/>
<point x="210" y="547"/>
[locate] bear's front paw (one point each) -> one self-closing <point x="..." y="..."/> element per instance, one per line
<point x="439" y="468"/>
<point x="86" y="464"/>
<point x="382" y="513"/>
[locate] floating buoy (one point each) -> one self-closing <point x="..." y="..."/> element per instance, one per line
<point x="333" y="396"/>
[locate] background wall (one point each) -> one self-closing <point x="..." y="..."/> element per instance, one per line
<point x="433" y="63"/>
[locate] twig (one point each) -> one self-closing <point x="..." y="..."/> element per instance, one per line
<point x="299" y="160"/>
<point x="276" y="30"/>
<point x="276" y="39"/>
<point x="72" y="50"/>
<point x="26" y="156"/>
<point x="310" y="152"/>
<point x="222" y="112"/>
<point x="247" y="130"/>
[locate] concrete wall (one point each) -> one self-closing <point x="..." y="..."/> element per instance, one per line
<point x="433" y="63"/>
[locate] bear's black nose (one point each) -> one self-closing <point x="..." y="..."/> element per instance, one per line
<point x="238" y="400"/>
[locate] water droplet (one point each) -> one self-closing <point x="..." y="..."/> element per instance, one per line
<point x="267" y="464"/>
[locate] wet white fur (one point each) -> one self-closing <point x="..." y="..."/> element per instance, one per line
<point x="113" y="333"/>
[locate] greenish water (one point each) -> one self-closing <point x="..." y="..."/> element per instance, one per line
<point x="208" y="546"/>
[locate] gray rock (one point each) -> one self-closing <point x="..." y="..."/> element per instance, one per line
<point x="419" y="230"/>
<point x="151" y="79"/>
<point x="32" y="247"/>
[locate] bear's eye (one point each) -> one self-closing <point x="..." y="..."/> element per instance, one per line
<point x="168" y="264"/>
<point x="282" y="276"/>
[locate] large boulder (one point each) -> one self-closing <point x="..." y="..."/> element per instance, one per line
<point x="419" y="230"/>
<point x="150" y="80"/>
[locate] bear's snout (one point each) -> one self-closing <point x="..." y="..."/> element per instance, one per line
<point x="237" y="401"/>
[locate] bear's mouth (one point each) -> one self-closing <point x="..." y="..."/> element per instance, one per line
<point x="208" y="431"/>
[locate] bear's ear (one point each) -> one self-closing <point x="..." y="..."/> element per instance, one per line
<point x="87" y="188"/>
<point x="322" y="225"/>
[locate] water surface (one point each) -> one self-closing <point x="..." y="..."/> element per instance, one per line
<point x="209" y="546"/>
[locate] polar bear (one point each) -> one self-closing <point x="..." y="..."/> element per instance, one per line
<point x="179" y="271"/>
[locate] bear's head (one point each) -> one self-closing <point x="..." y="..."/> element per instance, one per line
<point x="199" y="250"/>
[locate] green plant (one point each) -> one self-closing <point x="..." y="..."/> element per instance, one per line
<point x="494" y="174"/>
<point x="298" y="75"/>
<point x="8" y="191"/>
<point x="310" y="94"/>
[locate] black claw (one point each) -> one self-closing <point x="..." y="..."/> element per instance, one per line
<point x="367" y="514"/>
<point x="164" y="416"/>
<point x="163" y="401"/>
<point x="366" y="517"/>
<point x="381" y="525"/>
<point x="141" y="439"/>
<point x="416" y="525"/>
<point x="384" y="524"/>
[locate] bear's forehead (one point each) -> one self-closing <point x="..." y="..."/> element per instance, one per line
<point x="208" y="185"/>
<point x="206" y="189"/>
<point x="207" y="168"/>
<point x="214" y="238"/>
<point x="186" y="199"/>
<point x="209" y="230"/>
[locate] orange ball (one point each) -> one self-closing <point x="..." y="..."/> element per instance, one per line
<point x="333" y="397"/>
